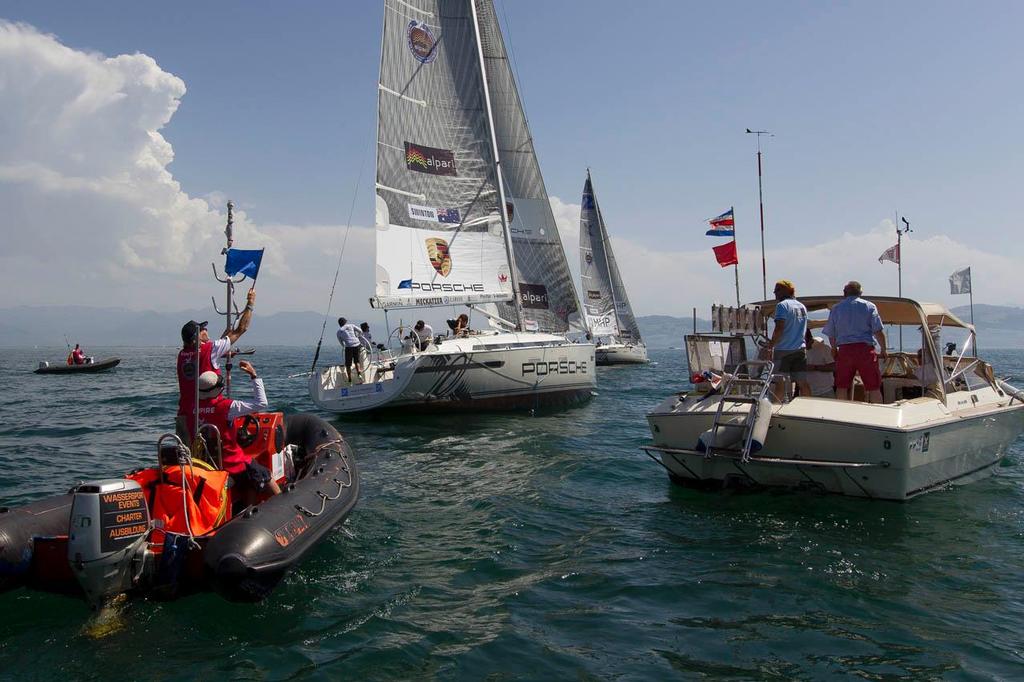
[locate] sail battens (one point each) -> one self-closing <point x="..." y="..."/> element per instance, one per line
<point x="414" y="195"/>
<point x="421" y="102"/>
<point x="423" y="12"/>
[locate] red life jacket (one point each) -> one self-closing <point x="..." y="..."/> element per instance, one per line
<point x="214" y="411"/>
<point x="187" y="378"/>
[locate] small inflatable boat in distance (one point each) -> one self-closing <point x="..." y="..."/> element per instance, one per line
<point x="168" y="531"/>
<point x="89" y="367"/>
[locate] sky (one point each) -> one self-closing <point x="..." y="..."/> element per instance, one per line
<point x="125" y="127"/>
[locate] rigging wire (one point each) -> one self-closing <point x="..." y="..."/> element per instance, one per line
<point x="337" y="271"/>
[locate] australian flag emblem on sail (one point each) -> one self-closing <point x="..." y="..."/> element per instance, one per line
<point x="448" y="215"/>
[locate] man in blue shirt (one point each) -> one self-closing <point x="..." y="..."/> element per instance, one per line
<point x="853" y="327"/>
<point x="787" y="342"/>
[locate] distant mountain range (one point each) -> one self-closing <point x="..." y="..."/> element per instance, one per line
<point x="27" y="326"/>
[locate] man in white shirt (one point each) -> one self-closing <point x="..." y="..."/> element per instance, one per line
<point x="349" y="337"/>
<point x="425" y="334"/>
<point x="820" y="367"/>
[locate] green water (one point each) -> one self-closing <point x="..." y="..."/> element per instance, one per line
<point x="519" y="547"/>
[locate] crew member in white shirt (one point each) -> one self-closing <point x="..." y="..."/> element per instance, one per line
<point x="349" y="337"/>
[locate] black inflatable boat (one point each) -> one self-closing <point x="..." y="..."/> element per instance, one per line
<point x="168" y="531"/>
<point x="86" y="368"/>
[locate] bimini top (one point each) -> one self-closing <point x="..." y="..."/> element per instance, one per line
<point x="891" y="309"/>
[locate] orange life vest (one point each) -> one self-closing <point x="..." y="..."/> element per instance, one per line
<point x="206" y="499"/>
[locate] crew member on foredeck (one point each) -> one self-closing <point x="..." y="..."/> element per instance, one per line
<point x="210" y="353"/>
<point x="853" y="327"/>
<point x="787" y="342"/>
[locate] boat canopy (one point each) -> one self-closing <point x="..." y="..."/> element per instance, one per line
<point x="892" y="310"/>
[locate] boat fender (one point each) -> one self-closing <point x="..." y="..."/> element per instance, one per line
<point x="106" y="535"/>
<point x="732" y="438"/>
<point x="1011" y="391"/>
<point x="761" y="424"/>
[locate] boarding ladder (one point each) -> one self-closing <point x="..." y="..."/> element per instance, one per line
<point x="747" y="385"/>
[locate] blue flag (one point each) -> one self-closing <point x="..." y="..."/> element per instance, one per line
<point x="244" y="262"/>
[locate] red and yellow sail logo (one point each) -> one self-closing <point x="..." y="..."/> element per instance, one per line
<point x="414" y="157"/>
<point x="437" y="252"/>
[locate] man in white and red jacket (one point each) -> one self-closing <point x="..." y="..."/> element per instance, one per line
<point x="250" y="477"/>
<point x="210" y="353"/>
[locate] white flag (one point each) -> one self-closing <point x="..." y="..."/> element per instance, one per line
<point x="891" y="254"/>
<point x="960" y="282"/>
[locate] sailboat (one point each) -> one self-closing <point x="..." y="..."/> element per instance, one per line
<point x="462" y="218"/>
<point x="609" y="317"/>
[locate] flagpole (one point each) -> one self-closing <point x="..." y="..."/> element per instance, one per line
<point x="760" y="198"/>
<point x="736" y="265"/>
<point x="899" y="260"/>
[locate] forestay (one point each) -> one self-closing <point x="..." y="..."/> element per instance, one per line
<point x="440" y="237"/>
<point x="606" y="302"/>
<point x="546" y="292"/>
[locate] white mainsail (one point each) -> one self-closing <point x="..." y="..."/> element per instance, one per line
<point x="440" y="230"/>
<point x="547" y="296"/>
<point x="608" y="312"/>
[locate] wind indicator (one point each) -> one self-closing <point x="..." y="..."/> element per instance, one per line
<point x="760" y="198"/>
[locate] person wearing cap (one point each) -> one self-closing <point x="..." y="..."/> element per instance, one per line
<point x="249" y="476"/>
<point x="210" y="352"/>
<point x="787" y="343"/>
<point x="853" y="327"/>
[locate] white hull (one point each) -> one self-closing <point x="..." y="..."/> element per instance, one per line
<point x="621" y="354"/>
<point x="510" y="370"/>
<point x="892" y="452"/>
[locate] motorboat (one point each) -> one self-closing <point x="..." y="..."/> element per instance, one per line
<point x="172" y="528"/>
<point x="462" y="219"/>
<point x="90" y="366"/>
<point x="609" y="316"/>
<point x="944" y="419"/>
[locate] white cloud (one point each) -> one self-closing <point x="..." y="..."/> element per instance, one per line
<point x="92" y="215"/>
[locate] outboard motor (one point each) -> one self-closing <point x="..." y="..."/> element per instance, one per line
<point x="107" y="536"/>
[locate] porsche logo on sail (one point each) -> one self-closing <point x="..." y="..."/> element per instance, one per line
<point x="421" y="42"/>
<point x="429" y="159"/>
<point x="437" y="252"/>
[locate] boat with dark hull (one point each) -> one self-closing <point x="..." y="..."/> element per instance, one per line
<point x="88" y="367"/>
<point x="114" y="536"/>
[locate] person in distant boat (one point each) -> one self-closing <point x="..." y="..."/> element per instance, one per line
<point x="462" y="325"/>
<point x="249" y="476"/>
<point x="195" y="338"/>
<point x="349" y="338"/>
<point x="787" y="341"/>
<point x="77" y="356"/>
<point x="820" y="376"/>
<point x="424" y="334"/>
<point x="853" y="327"/>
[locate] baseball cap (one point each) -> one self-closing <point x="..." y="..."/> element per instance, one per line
<point x="190" y="330"/>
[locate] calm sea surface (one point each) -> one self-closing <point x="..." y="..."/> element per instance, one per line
<point x="530" y="547"/>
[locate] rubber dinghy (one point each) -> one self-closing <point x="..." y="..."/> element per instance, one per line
<point x="168" y="531"/>
<point x="87" y="368"/>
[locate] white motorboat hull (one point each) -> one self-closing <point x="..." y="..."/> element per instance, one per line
<point x="621" y="354"/>
<point x="503" y="371"/>
<point x="892" y="452"/>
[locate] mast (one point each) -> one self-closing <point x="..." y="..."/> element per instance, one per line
<point x="513" y="271"/>
<point x="605" y="246"/>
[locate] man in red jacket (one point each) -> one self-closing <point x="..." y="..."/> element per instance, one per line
<point x="250" y="477"/>
<point x="210" y="352"/>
